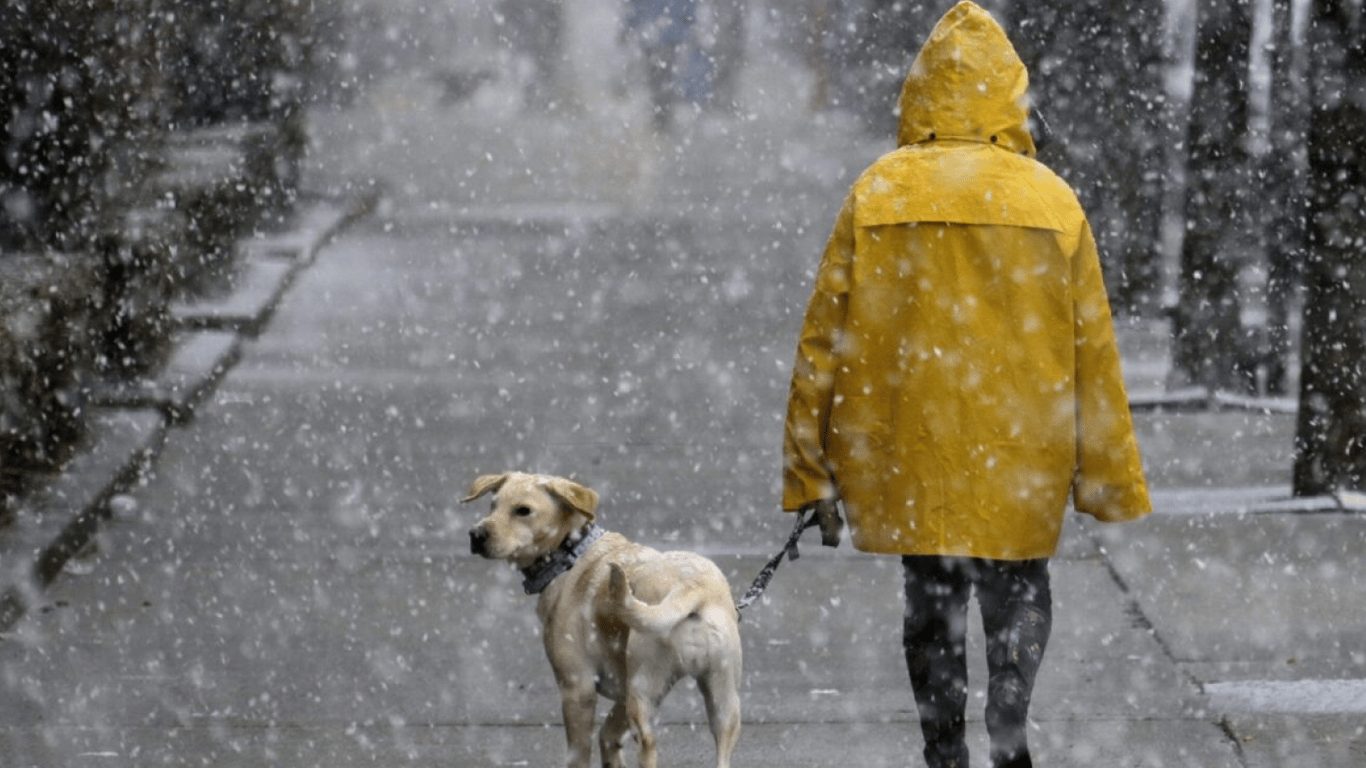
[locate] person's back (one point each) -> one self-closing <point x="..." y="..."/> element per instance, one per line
<point x="975" y="344"/>
<point x="957" y="379"/>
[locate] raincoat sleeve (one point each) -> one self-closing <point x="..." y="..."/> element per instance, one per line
<point x="807" y="476"/>
<point x="1109" y="483"/>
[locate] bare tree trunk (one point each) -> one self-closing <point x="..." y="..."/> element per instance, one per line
<point x="1330" y="440"/>
<point x="728" y="52"/>
<point x="1284" y="167"/>
<point x="1209" y="339"/>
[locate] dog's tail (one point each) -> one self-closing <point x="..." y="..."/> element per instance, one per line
<point x="657" y="619"/>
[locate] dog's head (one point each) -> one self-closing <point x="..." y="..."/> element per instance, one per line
<point x="531" y="515"/>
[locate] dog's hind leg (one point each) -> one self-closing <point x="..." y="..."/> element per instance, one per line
<point x="720" y="691"/>
<point x="613" y="732"/>
<point x="644" y="693"/>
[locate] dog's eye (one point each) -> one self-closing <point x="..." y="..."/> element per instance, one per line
<point x="521" y="511"/>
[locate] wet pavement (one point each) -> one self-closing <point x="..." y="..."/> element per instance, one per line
<point x="290" y="584"/>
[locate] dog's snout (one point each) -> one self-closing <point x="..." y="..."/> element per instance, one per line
<point x="478" y="541"/>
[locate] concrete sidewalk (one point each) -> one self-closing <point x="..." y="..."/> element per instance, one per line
<point x="290" y="584"/>
<point x="130" y="419"/>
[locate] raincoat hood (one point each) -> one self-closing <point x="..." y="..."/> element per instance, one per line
<point x="967" y="84"/>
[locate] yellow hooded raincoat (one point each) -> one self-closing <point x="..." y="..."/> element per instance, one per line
<point x="957" y="377"/>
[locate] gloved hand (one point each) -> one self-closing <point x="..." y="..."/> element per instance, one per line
<point x="828" y="517"/>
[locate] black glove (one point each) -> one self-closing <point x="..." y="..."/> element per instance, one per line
<point x="828" y="518"/>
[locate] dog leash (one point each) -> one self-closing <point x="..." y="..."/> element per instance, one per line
<point x="789" y="551"/>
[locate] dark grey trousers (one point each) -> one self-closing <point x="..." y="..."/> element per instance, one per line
<point x="1017" y="616"/>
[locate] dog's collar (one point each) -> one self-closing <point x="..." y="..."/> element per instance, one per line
<point x="538" y="575"/>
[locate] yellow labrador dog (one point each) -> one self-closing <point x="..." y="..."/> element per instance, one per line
<point x="619" y="618"/>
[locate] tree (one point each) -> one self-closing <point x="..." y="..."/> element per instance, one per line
<point x="1330" y="439"/>
<point x="50" y="164"/>
<point x="1096" y="77"/>
<point x="1211" y="345"/>
<point x="1280" y="159"/>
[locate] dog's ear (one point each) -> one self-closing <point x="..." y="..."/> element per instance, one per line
<point x="579" y="498"/>
<point x="484" y="484"/>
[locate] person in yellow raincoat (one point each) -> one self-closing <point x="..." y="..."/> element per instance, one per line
<point x="957" y="380"/>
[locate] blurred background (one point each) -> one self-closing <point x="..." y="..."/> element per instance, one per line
<point x="143" y="137"/>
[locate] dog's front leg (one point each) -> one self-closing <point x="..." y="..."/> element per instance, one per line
<point x="579" y="706"/>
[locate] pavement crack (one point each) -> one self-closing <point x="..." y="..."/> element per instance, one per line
<point x="1227" y="728"/>
<point x="1140" y="620"/>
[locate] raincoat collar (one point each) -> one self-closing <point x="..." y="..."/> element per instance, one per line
<point x="537" y="576"/>
<point x="967" y="84"/>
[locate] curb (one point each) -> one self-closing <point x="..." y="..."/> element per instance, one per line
<point x="1194" y="399"/>
<point x="132" y="419"/>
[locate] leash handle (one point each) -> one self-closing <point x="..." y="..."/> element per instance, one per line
<point x="789" y="550"/>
